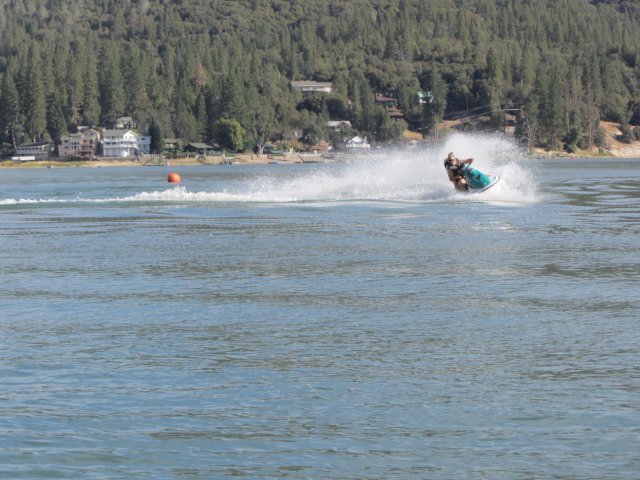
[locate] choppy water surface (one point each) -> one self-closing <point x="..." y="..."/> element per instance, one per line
<point x="321" y="321"/>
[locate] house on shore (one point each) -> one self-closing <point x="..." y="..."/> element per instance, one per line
<point x="357" y="143"/>
<point x="124" y="143"/>
<point x="83" y="144"/>
<point x="172" y="144"/>
<point x="385" y="100"/>
<point x="34" y="151"/>
<point x="395" y="114"/>
<point x="200" y="149"/>
<point x="390" y="104"/>
<point x="321" y="147"/>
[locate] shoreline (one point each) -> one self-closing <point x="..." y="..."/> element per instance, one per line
<point x="295" y="158"/>
<point x="239" y="159"/>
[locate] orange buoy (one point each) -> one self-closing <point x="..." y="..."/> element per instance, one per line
<point x="173" y="177"/>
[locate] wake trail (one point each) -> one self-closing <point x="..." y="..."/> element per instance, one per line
<point x="386" y="176"/>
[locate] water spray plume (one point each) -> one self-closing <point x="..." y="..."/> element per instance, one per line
<point x="416" y="175"/>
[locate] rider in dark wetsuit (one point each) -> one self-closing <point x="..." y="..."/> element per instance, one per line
<point x="455" y="169"/>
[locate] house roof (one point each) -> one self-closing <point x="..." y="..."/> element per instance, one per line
<point x="385" y="99"/>
<point x="199" y="145"/>
<point x="118" y="131"/>
<point x="309" y="83"/>
<point x="34" y="144"/>
<point x="338" y="123"/>
<point x="90" y="133"/>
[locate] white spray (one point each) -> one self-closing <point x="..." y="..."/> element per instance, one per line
<point x="403" y="175"/>
<point x="410" y="175"/>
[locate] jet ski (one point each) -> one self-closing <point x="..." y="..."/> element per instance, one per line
<point x="477" y="180"/>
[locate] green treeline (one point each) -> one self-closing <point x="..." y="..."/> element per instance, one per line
<point x="193" y="69"/>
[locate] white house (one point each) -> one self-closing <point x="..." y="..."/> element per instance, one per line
<point x="357" y="143"/>
<point x="82" y="144"/>
<point x="124" y="143"/>
<point x="38" y="150"/>
<point x="309" y="86"/>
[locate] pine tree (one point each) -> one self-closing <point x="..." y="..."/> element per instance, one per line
<point x="550" y="102"/>
<point x="487" y="54"/>
<point x="231" y="101"/>
<point x="73" y="86"/>
<point x="10" y="118"/>
<point x="365" y="108"/>
<point x="35" y="104"/>
<point x="157" y="138"/>
<point x="56" y="120"/>
<point x="136" y="101"/>
<point x="90" y="106"/>
<point x="495" y="85"/>
<point x="110" y="83"/>
<point x="200" y="115"/>
<point x="259" y="122"/>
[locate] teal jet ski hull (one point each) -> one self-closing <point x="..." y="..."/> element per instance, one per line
<point x="479" y="181"/>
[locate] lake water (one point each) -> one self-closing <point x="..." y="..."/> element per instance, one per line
<point x="339" y="321"/>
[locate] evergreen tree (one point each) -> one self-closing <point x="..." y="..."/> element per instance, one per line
<point x="185" y="125"/>
<point x="364" y="106"/>
<point x="549" y="104"/>
<point x="136" y="101"/>
<point x="10" y="118"/>
<point x="231" y="101"/>
<point x="74" y="87"/>
<point x="494" y="85"/>
<point x="110" y="83"/>
<point x="157" y="138"/>
<point x="312" y="134"/>
<point x="90" y="106"/>
<point x="260" y="124"/>
<point x="34" y="98"/>
<point x="56" y="120"/>
<point x="387" y="129"/>
<point x="200" y="115"/>
<point x="155" y="58"/>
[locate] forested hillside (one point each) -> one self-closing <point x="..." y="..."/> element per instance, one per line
<point x="183" y="65"/>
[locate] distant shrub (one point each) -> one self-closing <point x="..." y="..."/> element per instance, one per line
<point x="555" y="144"/>
<point x="575" y="140"/>
<point x="570" y="147"/>
<point x="601" y="138"/>
<point x="583" y="142"/>
<point x="636" y="133"/>
<point x="626" y="135"/>
<point x="6" y="150"/>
